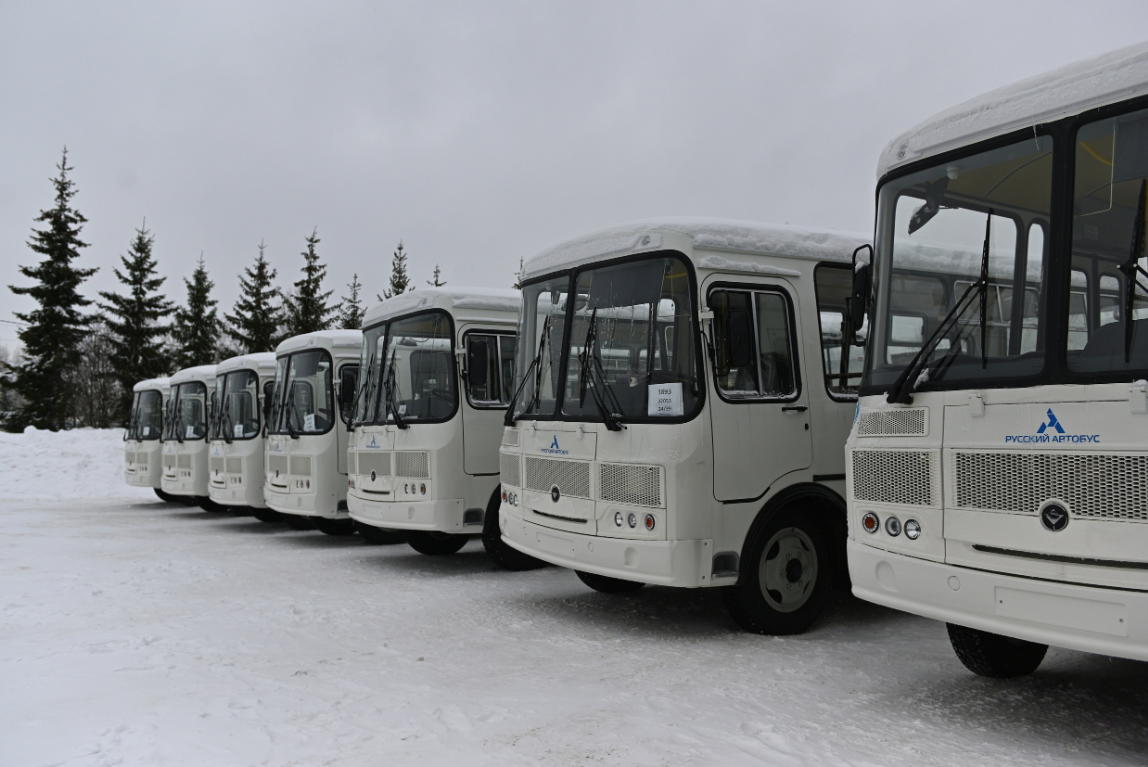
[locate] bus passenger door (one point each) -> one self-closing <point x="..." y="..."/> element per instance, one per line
<point x="487" y="384"/>
<point x="759" y="411"/>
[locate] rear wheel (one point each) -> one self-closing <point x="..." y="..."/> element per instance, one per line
<point x="994" y="655"/>
<point x="785" y="576"/>
<point x="435" y="544"/>
<point x="608" y="585"/>
<point x="267" y="515"/>
<point x="335" y="526"/>
<point x="503" y="554"/>
<point x="379" y="536"/>
<point x="167" y="497"/>
<point x="299" y="522"/>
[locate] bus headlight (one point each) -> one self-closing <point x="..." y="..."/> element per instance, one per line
<point x="912" y="529"/>
<point x="893" y="526"/>
<point x="632" y="520"/>
<point x="870" y="523"/>
<point x="618" y="518"/>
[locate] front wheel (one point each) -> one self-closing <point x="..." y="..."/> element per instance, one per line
<point x="503" y="554"/>
<point x="267" y="515"/>
<point x="207" y="504"/>
<point x="379" y="536"/>
<point x="299" y="522"/>
<point x="434" y="543"/>
<point x="993" y="655"/>
<point x="335" y="526"/>
<point x="608" y="585"/>
<point x="167" y="497"/>
<point x="785" y="576"/>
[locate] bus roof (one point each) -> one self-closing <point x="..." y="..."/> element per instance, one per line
<point x="1062" y="92"/>
<point x="749" y="237"/>
<point x="163" y="384"/>
<point x="488" y="299"/>
<point x="326" y="339"/>
<point x="260" y="362"/>
<point x="205" y="373"/>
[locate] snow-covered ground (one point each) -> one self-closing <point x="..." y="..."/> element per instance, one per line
<point x="139" y="633"/>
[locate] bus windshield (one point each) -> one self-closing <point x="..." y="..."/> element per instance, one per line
<point x="189" y="412"/>
<point x="305" y="401"/>
<point x="147" y="416"/>
<point x="960" y="269"/>
<point x="237" y="416"/>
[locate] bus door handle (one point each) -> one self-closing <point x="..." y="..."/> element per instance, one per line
<point x="794" y="408"/>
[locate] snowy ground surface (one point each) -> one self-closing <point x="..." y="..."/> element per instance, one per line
<point x="136" y="632"/>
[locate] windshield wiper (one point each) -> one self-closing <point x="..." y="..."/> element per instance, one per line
<point x="1132" y="270"/>
<point x="292" y="429"/>
<point x="366" y="387"/>
<point x="535" y="366"/>
<point x="912" y="375"/>
<point x="389" y="386"/>
<point x="591" y="364"/>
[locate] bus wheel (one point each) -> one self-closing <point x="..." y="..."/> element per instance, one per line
<point x="299" y="522"/>
<point x="435" y="543"/>
<point x="168" y="497"/>
<point x="334" y="526"/>
<point x="994" y="655"/>
<point x="608" y="585"/>
<point x="207" y="504"/>
<point x="379" y="536"/>
<point x="503" y="554"/>
<point x="267" y="515"/>
<point x="785" y="576"/>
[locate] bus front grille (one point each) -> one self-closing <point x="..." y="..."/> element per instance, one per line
<point x="903" y="422"/>
<point x="377" y="463"/>
<point x="510" y="469"/>
<point x="570" y="477"/>
<point x="893" y="476"/>
<point x="636" y="485"/>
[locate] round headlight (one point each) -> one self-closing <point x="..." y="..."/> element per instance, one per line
<point x="893" y="526"/>
<point x="870" y="523"/>
<point x="632" y="520"/>
<point x="618" y="518"/>
<point x="912" y="529"/>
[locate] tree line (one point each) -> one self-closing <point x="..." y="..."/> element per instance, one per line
<point x="78" y="366"/>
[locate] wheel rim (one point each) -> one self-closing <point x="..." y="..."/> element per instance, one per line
<point x="787" y="572"/>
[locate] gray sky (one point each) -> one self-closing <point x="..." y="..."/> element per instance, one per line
<point x="477" y="133"/>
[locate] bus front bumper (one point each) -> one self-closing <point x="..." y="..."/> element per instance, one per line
<point x="237" y="496"/>
<point x="136" y="479"/>
<point x="685" y="564"/>
<point x="304" y="504"/>
<point x="444" y="516"/>
<point x="180" y="486"/>
<point x="1086" y="618"/>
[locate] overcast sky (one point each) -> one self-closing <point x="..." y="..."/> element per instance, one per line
<point x="477" y="133"/>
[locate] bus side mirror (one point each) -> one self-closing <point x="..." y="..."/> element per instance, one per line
<point x="477" y="357"/>
<point x="739" y="338"/>
<point x="348" y="383"/>
<point x="858" y="302"/>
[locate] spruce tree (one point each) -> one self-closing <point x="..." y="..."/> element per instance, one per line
<point x="55" y="330"/>
<point x="518" y="275"/>
<point x="196" y="330"/>
<point x="351" y="309"/>
<point x="134" y="332"/>
<point x="400" y="282"/>
<point x="437" y="282"/>
<point x="257" y="315"/>
<point x="307" y="309"/>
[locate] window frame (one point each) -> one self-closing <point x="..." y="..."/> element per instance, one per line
<point x="284" y="389"/>
<point x="795" y="361"/>
<point x="464" y="383"/>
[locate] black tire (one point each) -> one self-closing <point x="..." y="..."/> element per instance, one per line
<point x="267" y="515"/>
<point x="298" y="522"/>
<point x="503" y="554"/>
<point x="786" y="572"/>
<point x="167" y="497"/>
<point x="435" y="544"/>
<point x="207" y="504"/>
<point x="993" y="655"/>
<point x="334" y="526"/>
<point x="608" y="585"/>
<point x="380" y="536"/>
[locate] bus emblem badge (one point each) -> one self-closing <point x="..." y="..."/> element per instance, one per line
<point x="1054" y="517"/>
<point x="555" y="494"/>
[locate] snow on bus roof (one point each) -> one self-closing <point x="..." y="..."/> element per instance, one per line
<point x="1050" y="96"/>
<point x="321" y="338"/>
<point x="256" y="361"/>
<point x="162" y="383"/>
<point x="197" y="373"/>
<point x="749" y="237"/>
<point x="489" y="299"/>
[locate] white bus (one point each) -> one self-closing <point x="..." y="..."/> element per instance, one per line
<point x="998" y="466"/>
<point x="438" y="374"/>
<point x="235" y="460"/>
<point x="306" y="451"/>
<point x="680" y="416"/>
<point x="185" y="435"/>
<point x="142" y="438"/>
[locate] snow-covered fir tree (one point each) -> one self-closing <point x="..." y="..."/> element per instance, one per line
<point x="400" y="281"/>
<point x="196" y="330"/>
<point x="351" y="309"/>
<point x="134" y="329"/>
<point x="56" y="328"/>
<point x="437" y="282"/>
<point x="307" y="309"/>
<point x="257" y="317"/>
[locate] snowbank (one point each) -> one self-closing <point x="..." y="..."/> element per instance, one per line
<point x="81" y="463"/>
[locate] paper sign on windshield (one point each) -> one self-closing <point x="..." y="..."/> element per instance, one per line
<point x="309" y="422"/>
<point x="665" y="400"/>
<point x="147" y="431"/>
<point x="238" y="430"/>
<point x="190" y="433"/>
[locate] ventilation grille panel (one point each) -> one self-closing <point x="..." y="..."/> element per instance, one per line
<point x="184" y="461"/>
<point x="571" y="477"/>
<point x="277" y="463"/>
<point x="1094" y="486"/>
<point x="377" y="462"/>
<point x="300" y="465"/>
<point x="510" y="437"/>
<point x="637" y="485"/>
<point x="893" y="476"/>
<point x="130" y="456"/>
<point x="902" y="422"/>
<point x="168" y="461"/>
<point x="412" y="464"/>
<point x="510" y="469"/>
<point x="234" y="465"/>
<point x="215" y="464"/>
